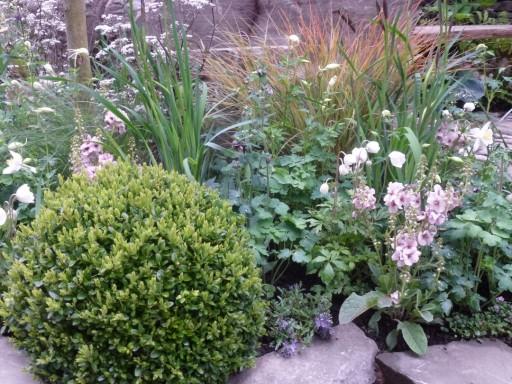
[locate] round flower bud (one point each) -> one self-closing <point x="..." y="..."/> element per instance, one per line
<point x="324" y="188"/>
<point x="469" y="107"/>
<point x="373" y="147"/>
<point x="397" y="159"/>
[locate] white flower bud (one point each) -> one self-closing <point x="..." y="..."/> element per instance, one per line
<point x="330" y="66"/>
<point x="344" y="169"/>
<point x="349" y="159"/>
<point x="324" y="188"/>
<point x="24" y="194"/>
<point x="294" y="39"/>
<point x="3" y="216"/>
<point x="373" y="147"/>
<point x="397" y="159"/>
<point x="360" y="155"/>
<point x="469" y="107"/>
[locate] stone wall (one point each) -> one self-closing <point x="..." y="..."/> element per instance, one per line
<point x="250" y="17"/>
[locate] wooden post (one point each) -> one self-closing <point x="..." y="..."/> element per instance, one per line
<point x="466" y="32"/>
<point x="76" y="32"/>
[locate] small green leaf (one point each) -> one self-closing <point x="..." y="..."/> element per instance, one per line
<point x="427" y="316"/>
<point x="373" y="323"/>
<point x="391" y="339"/>
<point x="414" y="336"/>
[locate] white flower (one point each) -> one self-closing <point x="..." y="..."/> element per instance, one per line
<point x="24" y="194"/>
<point x="481" y="47"/>
<point x="469" y="107"/>
<point x="44" y="110"/>
<point x="369" y="163"/>
<point x="294" y="39"/>
<point x="386" y="114"/>
<point x="324" y="188"/>
<point x="446" y="114"/>
<point x="16" y="163"/>
<point x="397" y="159"/>
<point x="330" y="66"/>
<point x="3" y="216"/>
<point x="14" y="145"/>
<point x="332" y="82"/>
<point x="344" y="169"/>
<point x="349" y="159"/>
<point x="372" y="147"/>
<point x="360" y="155"/>
<point x="483" y="136"/>
<point x="509" y="198"/>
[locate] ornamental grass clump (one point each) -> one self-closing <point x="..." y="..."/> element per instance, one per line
<point x="136" y="276"/>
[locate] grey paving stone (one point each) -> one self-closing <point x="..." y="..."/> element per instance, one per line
<point x="13" y="365"/>
<point x="348" y="358"/>
<point x="460" y="362"/>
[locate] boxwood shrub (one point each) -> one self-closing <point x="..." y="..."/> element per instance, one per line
<point x="139" y="276"/>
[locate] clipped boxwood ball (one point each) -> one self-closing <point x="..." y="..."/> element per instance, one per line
<point x="139" y="276"/>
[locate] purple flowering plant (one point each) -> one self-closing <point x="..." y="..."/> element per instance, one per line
<point x="295" y="316"/>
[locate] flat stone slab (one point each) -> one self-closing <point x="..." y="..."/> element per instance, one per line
<point x="348" y="358"/>
<point x="13" y="365"/>
<point x="459" y="362"/>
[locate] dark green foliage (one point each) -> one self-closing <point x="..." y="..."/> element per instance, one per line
<point x="139" y="276"/>
<point x="495" y="321"/>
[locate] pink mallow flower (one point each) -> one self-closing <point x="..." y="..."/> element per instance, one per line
<point x="425" y="237"/>
<point x="364" y="199"/>
<point x="394" y="199"/>
<point x="406" y="250"/>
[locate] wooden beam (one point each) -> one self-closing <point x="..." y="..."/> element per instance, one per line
<point x="467" y="32"/>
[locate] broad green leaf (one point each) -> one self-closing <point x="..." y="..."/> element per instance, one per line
<point x="489" y="239"/>
<point x="414" y="336"/>
<point x="299" y="256"/>
<point x="356" y="305"/>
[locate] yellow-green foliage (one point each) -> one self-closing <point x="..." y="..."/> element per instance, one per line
<point x="139" y="276"/>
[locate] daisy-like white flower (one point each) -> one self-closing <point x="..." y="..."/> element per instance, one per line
<point x="17" y="163"/>
<point x="483" y="137"/>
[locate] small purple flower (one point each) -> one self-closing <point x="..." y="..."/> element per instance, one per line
<point x="323" y="325"/>
<point x="500" y="299"/>
<point x="283" y="325"/>
<point x="289" y="348"/>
